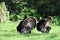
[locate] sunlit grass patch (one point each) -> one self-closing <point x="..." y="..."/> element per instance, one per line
<point x="8" y="32"/>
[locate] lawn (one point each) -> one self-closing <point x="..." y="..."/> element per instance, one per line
<point x="8" y="32"/>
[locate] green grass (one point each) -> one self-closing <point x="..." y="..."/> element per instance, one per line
<point x="8" y="32"/>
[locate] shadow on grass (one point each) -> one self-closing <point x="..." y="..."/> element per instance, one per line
<point x="8" y="35"/>
<point x="19" y="35"/>
<point x="15" y="33"/>
<point x="53" y="35"/>
<point x="3" y="30"/>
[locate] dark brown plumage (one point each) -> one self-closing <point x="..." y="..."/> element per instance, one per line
<point x="44" y="25"/>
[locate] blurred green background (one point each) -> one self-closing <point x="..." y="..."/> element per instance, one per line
<point x="12" y="11"/>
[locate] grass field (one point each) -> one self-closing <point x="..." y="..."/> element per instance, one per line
<point x="8" y="32"/>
